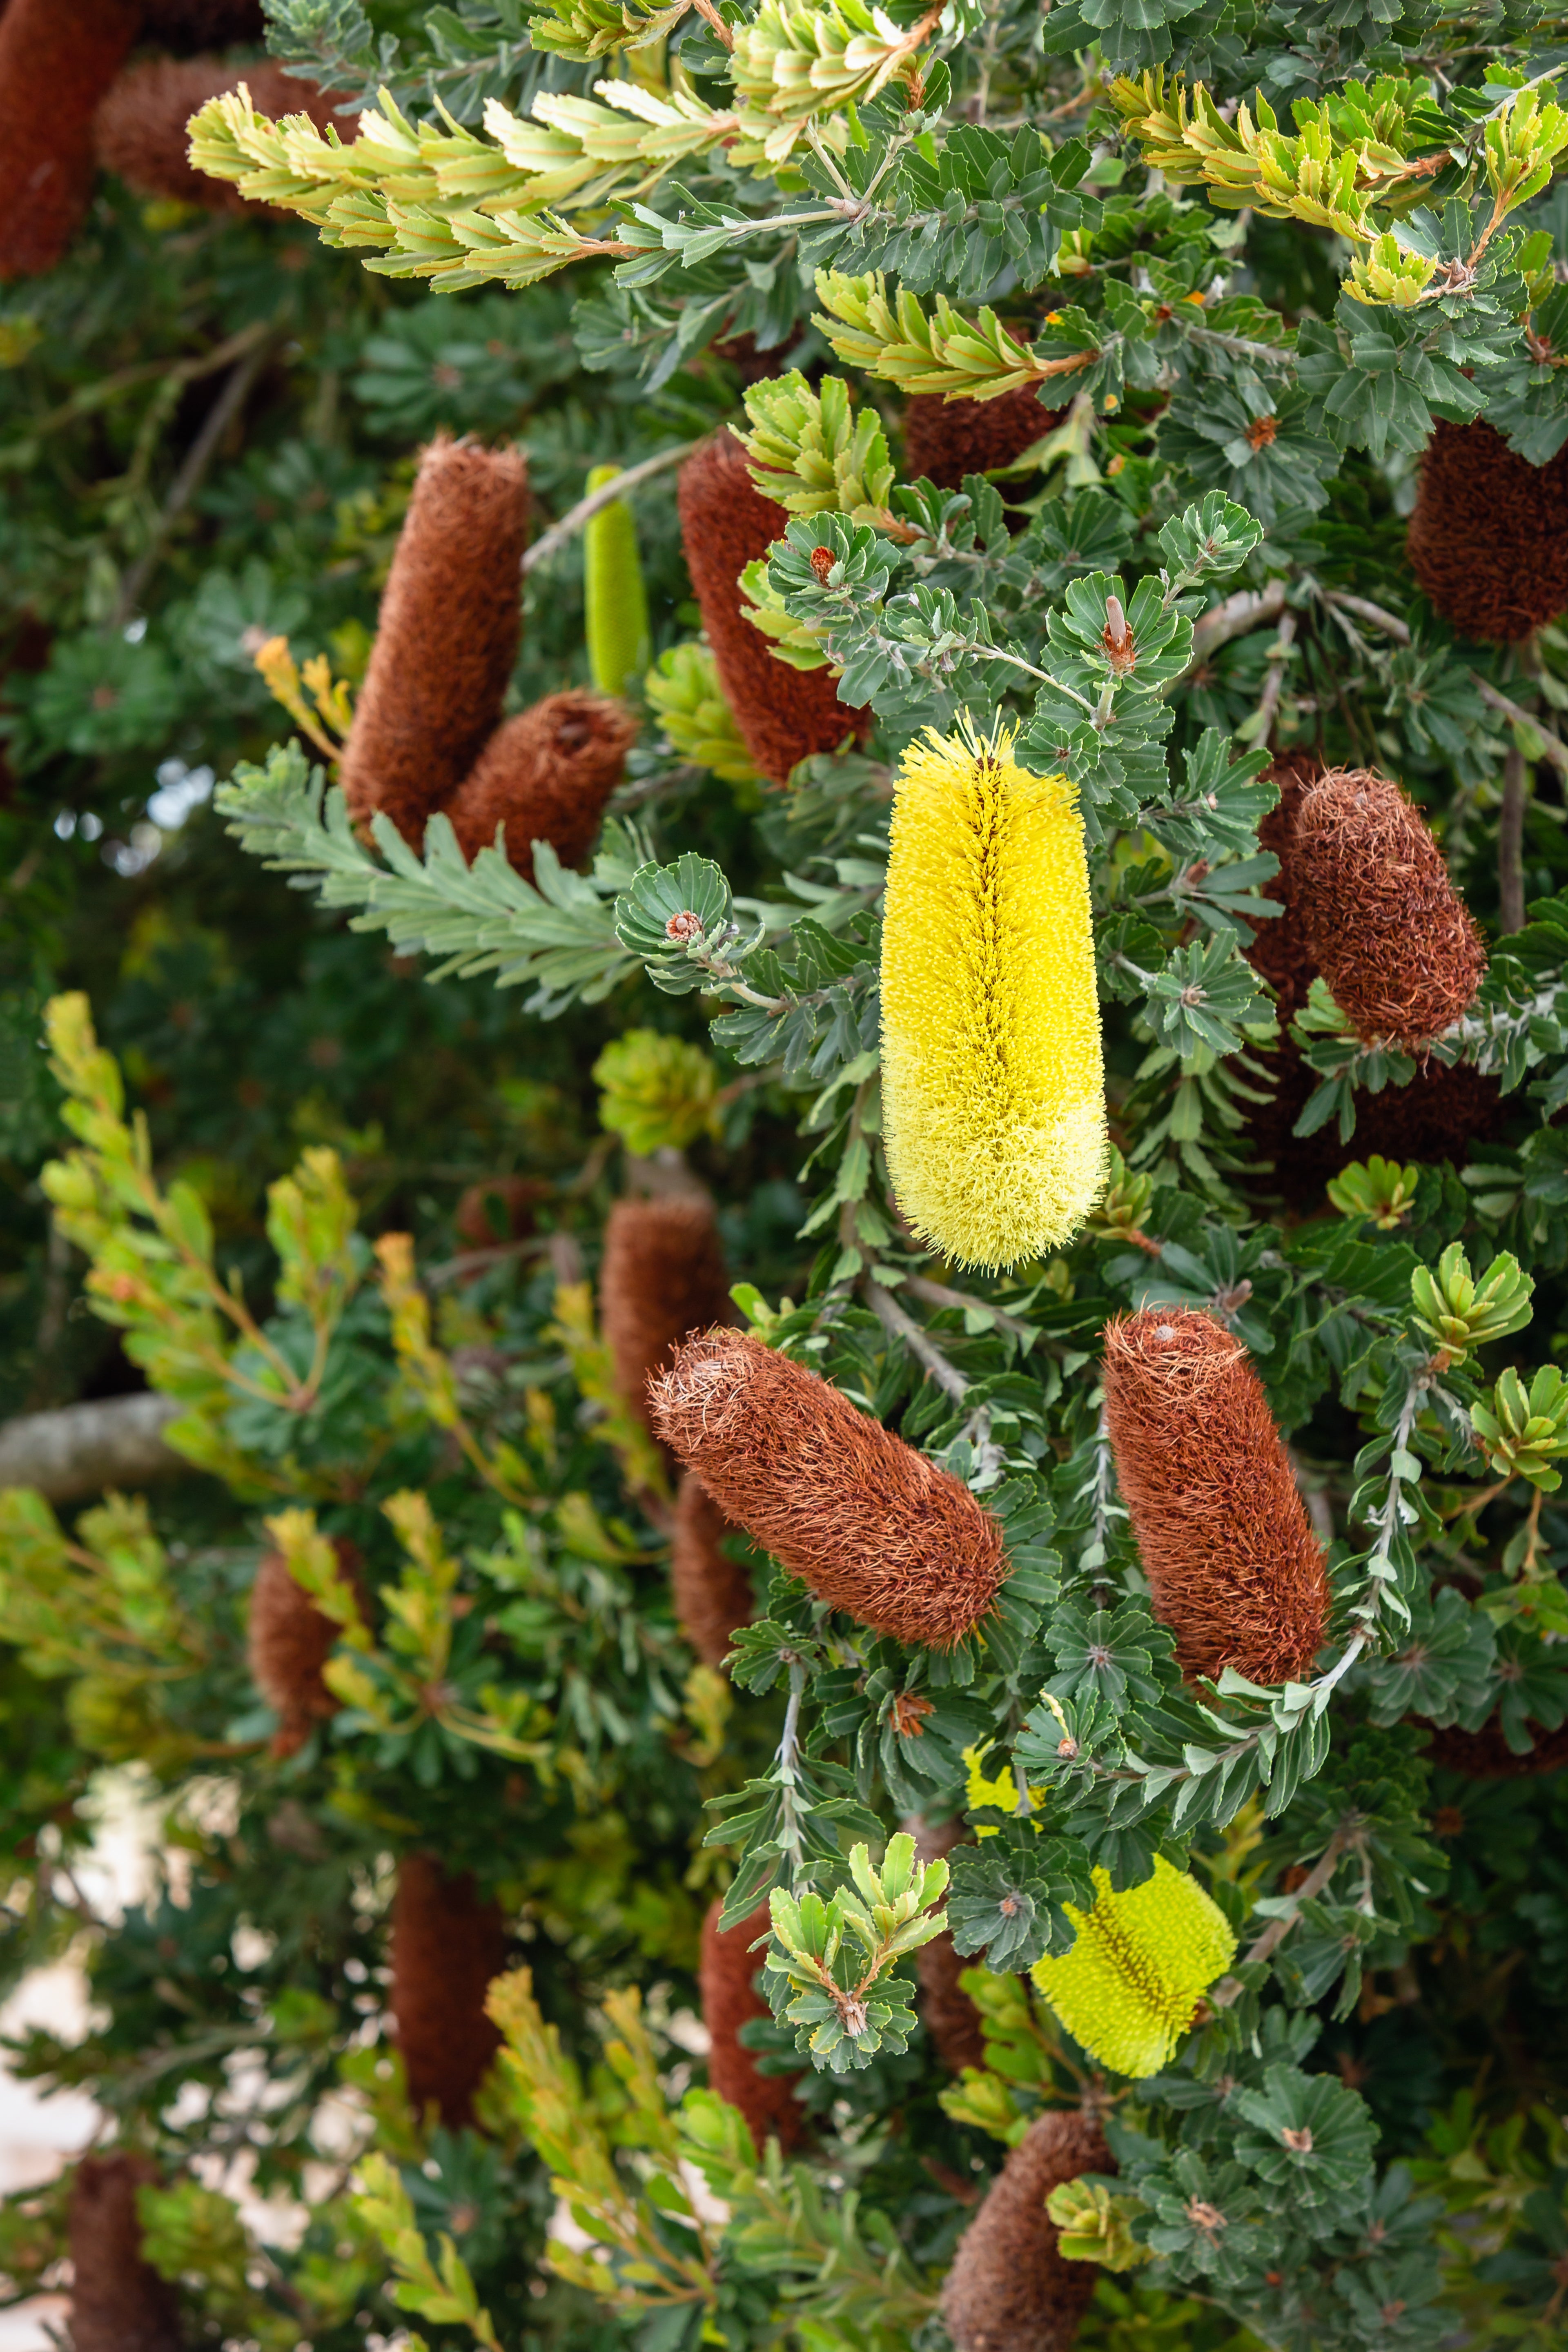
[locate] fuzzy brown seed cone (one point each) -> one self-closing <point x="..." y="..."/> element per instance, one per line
<point x="662" y="1278"/>
<point x="184" y="25"/>
<point x="727" y="1980"/>
<point x="948" y="2014"/>
<point x="1392" y="937"/>
<point x="56" y="63"/>
<point x="1009" y="2289"/>
<point x="874" y="1527"/>
<point x="289" y="1641"/>
<point x="546" y="776"/>
<point x="1280" y="949"/>
<point x="140" y="131"/>
<point x="448" y="1947"/>
<point x="500" y="1210"/>
<point x="712" y="1592"/>
<point x="1488" y="537"/>
<point x="451" y="620"/>
<point x="1485" y="1755"/>
<point x="1233" y="1566"/>
<point x="946" y="439"/>
<point x="783" y="714"/>
<point x="119" y="2303"/>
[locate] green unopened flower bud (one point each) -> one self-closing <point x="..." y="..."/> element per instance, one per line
<point x="1525" y="1432"/>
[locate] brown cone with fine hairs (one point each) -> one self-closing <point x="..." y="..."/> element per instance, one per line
<point x="289" y="1641"/>
<point x="712" y="1592"/>
<point x="1488" y="537"/>
<point x="140" y="132"/>
<point x="946" y="439"/>
<point x="200" y="23"/>
<point x="451" y="620"/>
<point x="785" y="714"/>
<point x="447" y="1946"/>
<point x="1010" y="2289"/>
<point x="727" y="1979"/>
<point x="56" y="63"/>
<point x="874" y="1527"/>
<point x="1234" y="1568"/>
<point x="119" y="2303"/>
<point x="1485" y="1755"/>
<point x="662" y="1276"/>
<point x="948" y="2014"/>
<point x="546" y="776"/>
<point x="1392" y="937"/>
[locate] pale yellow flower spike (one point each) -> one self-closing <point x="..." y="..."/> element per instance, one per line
<point x="992" y="1077"/>
<point x="1130" y="1985"/>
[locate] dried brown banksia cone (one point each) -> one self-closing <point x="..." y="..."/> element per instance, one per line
<point x="1009" y="2289"/>
<point x="546" y="776"/>
<point x="946" y="439"/>
<point x="1488" y="537"/>
<point x="1233" y="1565"/>
<point x="119" y="2303"/>
<point x="451" y="618"/>
<point x="712" y="1592"/>
<point x="727" y="1979"/>
<point x="948" y="2014"/>
<point x="874" y="1527"/>
<point x="785" y="714"/>
<point x="56" y="63"/>
<point x="447" y="1946"/>
<point x="200" y="23"/>
<point x="140" y="133"/>
<point x="662" y="1278"/>
<point x="1392" y="937"/>
<point x="291" y="1640"/>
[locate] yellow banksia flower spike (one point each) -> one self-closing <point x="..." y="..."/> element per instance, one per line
<point x="1130" y="1985"/>
<point x="992" y="1077"/>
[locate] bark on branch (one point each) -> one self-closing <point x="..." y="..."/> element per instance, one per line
<point x="84" y="1448"/>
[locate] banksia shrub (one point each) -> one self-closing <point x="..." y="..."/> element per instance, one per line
<point x="1392" y="937"/>
<point x="119" y="2303"/>
<point x="56" y="63"/>
<point x="662" y="1278"/>
<point x="712" y="1592"/>
<point x="1010" y="2289"/>
<point x="545" y="775"/>
<point x="448" y="637"/>
<point x="289" y="1641"/>
<point x="727" y="1979"/>
<point x="140" y="131"/>
<point x="1234" y="1568"/>
<point x="447" y="1946"/>
<point x="785" y="714"/>
<point x="1141" y="1962"/>
<point x="874" y="1527"/>
<point x="945" y="440"/>
<point x="993" y="1079"/>
<point x="1488" y="537"/>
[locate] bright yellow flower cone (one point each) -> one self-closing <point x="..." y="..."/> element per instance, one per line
<point x="1130" y="1985"/>
<point x="992" y="1078"/>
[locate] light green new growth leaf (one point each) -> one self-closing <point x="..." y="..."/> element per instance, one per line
<point x="812" y="454"/>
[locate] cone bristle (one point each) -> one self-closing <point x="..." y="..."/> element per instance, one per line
<point x="447" y="1946"/>
<point x="1488" y="537"/>
<point x="119" y="2303"/>
<point x="712" y="1592"/>
<point x="727" y="1978"/>
<point x="56" y="63"/>
<point x="1009" y="2289"/>
<point x="546" y="776"/>
<point x="662" y="1278"/>
<point x="945" y="440"/>
<point x="141" y="134"/>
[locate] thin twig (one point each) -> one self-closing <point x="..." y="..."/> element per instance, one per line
<point x="1510" y="842"/>
<point x="891" y="1316"/>
<point x="191" y="476"/>
<point x="1262" y="723"/>
<point x="940" y="1296"/>
<point x="1248" y="609"/>
<point x="584" y="510"/>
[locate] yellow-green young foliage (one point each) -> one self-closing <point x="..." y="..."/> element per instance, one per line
<point x="659" y="1092"/>
<point x="1130" y="1985"/>
<point x="683" y="687"/>
<point x="994" y="1082"/>
<point x="615" y="596"/>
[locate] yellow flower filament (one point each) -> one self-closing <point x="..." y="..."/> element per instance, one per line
<point x="1129" y="1986"/>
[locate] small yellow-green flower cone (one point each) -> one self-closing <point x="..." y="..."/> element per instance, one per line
<point x="992" y="1077"/>
<point x="1130" y="1985"/>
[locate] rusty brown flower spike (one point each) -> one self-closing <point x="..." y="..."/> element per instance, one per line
<point x="447" y="1946"/>
<point x="713" y="1593"/>
<point x="874" y="1527"/>
<point x="1234" y="1568"/>
<point x="1010" y="2289"/>
<point x="546" y="776"/>
<point x="140" y="133"/>
<point x="727" y="1980"/>
<point x="662" y="1276"/>
<point x="202" y="24"/>
<point x="945" y="440"/>
<point x="119" y="2303"/>
<point x="1488" y="537"/>
<point x="56" y="63"/>
<point x="448" y="633"/>
<point x="289" y="1641"/>
<point x="1387" y="929"/>
<point x="785" y="714"/>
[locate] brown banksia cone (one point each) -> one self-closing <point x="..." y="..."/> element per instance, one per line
<point x="946" y="439"/>
<point x="447" y="1946"/>
<point x="727" y="1978"/>
<point x="291" y="1640"/>
<point x="451" y="620"/>
<point x="141" y="134"/>
<point x="546" y="776"/>
<point x="874" y="1527"/>
<point x="712" y="1592"/>
<point x="1234" y="1568"/>
<point x="948" y="2014"/>
<point x="1485" y="1755"/>
<point x="56" y="63"/>
<point x="1010" y="2289"/>
<point x="662" y="1276"/>
<point x="785" y="714"/>
<point x="1392" y="937"/>
<point x="1488" y="537"/>
<point x="119" y="2303"/>
<point x="499" y="1210"/>
<point x="184" y="25"/>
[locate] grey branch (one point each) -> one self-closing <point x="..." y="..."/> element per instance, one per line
<point x="84" y="1448"/>
<point x="1552" y="748"/>
<point x="572" y="522"/>
<point x="1248" y="609"/>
